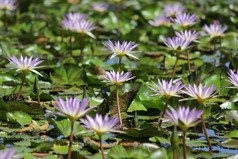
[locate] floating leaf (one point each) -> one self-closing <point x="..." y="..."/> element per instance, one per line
<point x="43" y="147"/>
<point x="64" y="126"/>
<point x="19" y="117"/>
<point x="64" y="149"/>
<point x="119" y="151"/>
<point x="232" y="134"/>
<point x="230" y="143"/>
<point x="68" y="75"/>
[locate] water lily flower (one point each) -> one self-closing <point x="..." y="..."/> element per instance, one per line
<point x="121" y="49"/>
<point x="177" y="44"/>
<point x="70" y="19"/>
<point x="101" y="125"/>
<point x="215" y="30"/>
<point x="75" y="17"/>
<point x="67" y="25"/>
<point x="8" y="4"/>
<point x="167" y="89"/>
<point x="183" y="117"/>
<point x="188" y="35"/>
<point x="25" y="64"/>
<point x="117" y="78"/>
<point x="185" y="20"/>
<point x="9" y="154"/>
<point x="200" y="93"/>
<point x="72" y="108"/>
<point x="233" y="78"/>
<point x="100" y="7"/>
<point x="173" y="10"/>
<point x="161" y="20"/>
<point x="84" y="27"/>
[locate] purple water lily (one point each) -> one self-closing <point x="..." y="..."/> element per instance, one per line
<point x="9" y="154"/>
<point x="100" y="7"/>
<point x="185" y="20"/>
<point x="84" y="27"/>
<point x="200" y="93"/>
<point x="188" y="35"/>
<point x="167" y="89"/>
<point x="71" y="18"/>
<point x="72" y="108"/>
<point x="25" y="64"/>
<point x="176" y="44"/>
<point x="173" y="10"/>
<point x="67" y="25"/>
<point x="121" y="49"/>
<point x="101" y="125"/>
<point x="161" y="20"/>
<point x="8" y="4"/>
<point x="117" y="78"/>
<point x="215" y="30"/>
<point x="183" y="117"/>
<point x="233" y="78"/>
<point x="75" y="17"/>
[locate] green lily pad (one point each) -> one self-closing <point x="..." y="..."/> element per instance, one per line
<point x="232" y="134"/>
<point x="64" y="126"/>
<point x="68" y="75"/>
<point x="230" y="143"/>
<point x="19" y="117"/>
<point x="64" y="149"/>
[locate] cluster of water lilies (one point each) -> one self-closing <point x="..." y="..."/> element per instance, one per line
<point x="75" y="109"/>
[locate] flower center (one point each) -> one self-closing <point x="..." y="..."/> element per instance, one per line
<point x="116" y="83"/>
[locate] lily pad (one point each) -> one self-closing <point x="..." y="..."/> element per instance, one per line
<point x="19" y="117"/>
<point x="230" y="143"/>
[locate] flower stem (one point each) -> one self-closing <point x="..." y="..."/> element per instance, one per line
<point x="184" y="146"/>
<point x="135" y="119"/>
<point x="215" y="50"/>
<point x="101" y="147"/>
<point x="189" y="67"/>
<point x="70" y="43"/>
<point x="81" y="47"/>
<point x="119" y="64"/>
<point x="118" y="19"/>
<point x="62" y="36"/>
<point x="205" y="131"/>
<point x="215" y="47"/>
<point x="175" y="66"/>
<point x="174" y="153"/>
<point x="5" y="20"/>
<point x="220" y="50"/>
<point x="118" y="106"/>
<point x="220" y="44"/>
<point x="38" y="99"/>
<point x="165" y="107"/>
<point x="22" y="83"/>
<point x="71" y="139"/>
